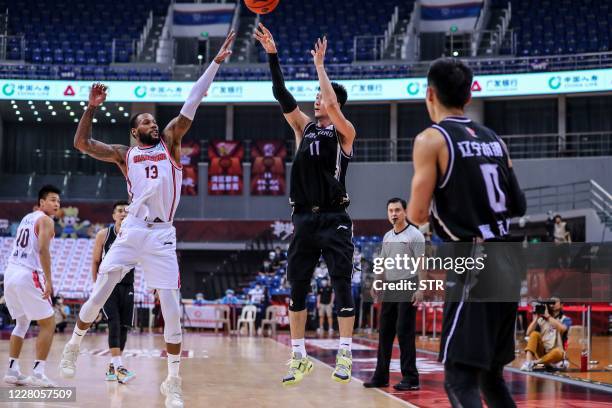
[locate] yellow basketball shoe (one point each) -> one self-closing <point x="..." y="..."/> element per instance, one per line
<point x="298" y="367"/>
<point x="344" y="364"/>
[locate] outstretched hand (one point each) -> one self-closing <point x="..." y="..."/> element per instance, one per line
<point x="97" y="94"/>
<point x="264" y="36"/>
<point x="226" y="48"/>
<point x="318" y="54"/>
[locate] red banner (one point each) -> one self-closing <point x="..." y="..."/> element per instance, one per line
<point x="225" y="169"/>
<point x="268" y="168"/>
<point x="190" y="155"/>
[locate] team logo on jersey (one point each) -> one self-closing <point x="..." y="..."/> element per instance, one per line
<point x="150" y="157"/>
<point x="471" y="131"/>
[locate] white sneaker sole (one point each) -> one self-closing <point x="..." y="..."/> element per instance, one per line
<point x="12" y="380"/>
<point x="168" y="403"/>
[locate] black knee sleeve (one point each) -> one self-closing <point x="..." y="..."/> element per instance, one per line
<point x="124" y="332"/>
<point x="344" y="297"/>
<point x="299" y="291"/>
<point x="114" y="334"/>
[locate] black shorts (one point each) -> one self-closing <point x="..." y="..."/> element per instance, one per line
<point x="120" y="305"/>
<point x="328" y="234"/>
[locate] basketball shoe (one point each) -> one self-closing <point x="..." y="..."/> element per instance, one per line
<point x="344" y="364"/>
<point x="298" y="367"/>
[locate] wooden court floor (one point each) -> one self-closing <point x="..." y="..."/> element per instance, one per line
<point x="217" y="371"/>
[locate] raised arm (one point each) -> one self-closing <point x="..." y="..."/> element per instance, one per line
<point x="328" y="98"/>
<point x="425" y="161"/>
<point x="83" y="140"/>
<point x="176" y="129"/>
<point x="46" y="231"/>
<point x="294" y="116"/>
<point x="96" y="257"/>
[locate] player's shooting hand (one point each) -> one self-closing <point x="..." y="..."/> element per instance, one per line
<point x="264" y="36"/>
<point x="48" y="290"/>
<point x="97" y="94"/>
<point x="226" y="48"/>
<point x="318" y="54"/>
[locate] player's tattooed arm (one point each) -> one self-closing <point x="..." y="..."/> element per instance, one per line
<point x="427" y="158"/>
<point x="179" y="126"/>
<point x="328" y="98"/>
<point x="83" y="140"/>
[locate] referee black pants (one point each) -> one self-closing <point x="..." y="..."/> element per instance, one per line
<point x="463" y="385"/>
<point x="397" y="318"/>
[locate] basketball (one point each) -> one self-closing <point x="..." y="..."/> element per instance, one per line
<point x="261" y="6"/>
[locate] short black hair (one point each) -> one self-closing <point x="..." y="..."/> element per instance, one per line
<point x="134" y="120"/>
<point x="452" y="81"/>
<point x="46" y="190"/>
<point x="341" y="93"/>
<point x="398" y="200"/>
<point x="118" y="203"/>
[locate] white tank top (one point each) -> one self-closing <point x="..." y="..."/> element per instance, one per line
<point x="25" y="249"/>
<point x="154" y="183"/>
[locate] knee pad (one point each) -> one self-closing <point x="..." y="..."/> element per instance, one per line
<point x="114" y="335"/>
<point x="299" y="291"/>
<point x="105" y="283"/>
<point x="171" y="310"/>
<point x="123" y="340"/>
<point x="343" y="297"/>
<point x="21" y="327"/>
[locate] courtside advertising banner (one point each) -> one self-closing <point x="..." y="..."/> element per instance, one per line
<point x="403" y="89"/>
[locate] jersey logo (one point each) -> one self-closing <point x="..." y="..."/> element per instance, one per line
<point x="150" y="157"/>
<point x="346" y="309"/>
<point x="342" y="227"/>
<point x="471" y="131"/>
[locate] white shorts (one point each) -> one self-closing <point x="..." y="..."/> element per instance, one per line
<point x="23" y="289"/>
<point x="153" y="245"/>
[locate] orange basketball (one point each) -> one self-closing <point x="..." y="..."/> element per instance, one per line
<point x="261" y="6"/>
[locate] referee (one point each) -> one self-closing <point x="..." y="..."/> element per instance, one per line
<point x="398" y="313"/>
<point x="119" y="308"/>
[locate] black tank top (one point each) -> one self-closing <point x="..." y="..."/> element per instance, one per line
<point x="319" y="170"/>
<point x="128" y="279"/>
<point x="472" y="199"/>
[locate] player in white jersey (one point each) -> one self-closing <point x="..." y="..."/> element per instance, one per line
<point x="27" y="294"/>
<point x="147" y="235"/>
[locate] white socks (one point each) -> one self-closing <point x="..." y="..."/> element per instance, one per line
<point x="116" y="361"/>
<point x="14" y="364"/>
<point x="299" y="346"/>
<point x="174" y="361"/>
<point x="77" y="336"/>
<point x="39" y="367"/>
<point x="345" y="343"/>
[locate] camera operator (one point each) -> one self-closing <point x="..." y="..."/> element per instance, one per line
<point x="547" y="333"/>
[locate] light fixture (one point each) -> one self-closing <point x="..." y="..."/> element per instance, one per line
<point x="76" y="120"/>
<point x="12" y="101"/>
<point x="64" y="103"/>
<point x="17" y="112"/>
<point x="32" y="107"/>
<point x="47" y="102"/>
<point x="103" y="108"/>
<point x="50" y="107"/>
<point x="20" y="119"/>
<point x="120" y="108"/>
<point x="108" y="113"/>
<point x="38" y="119"/>
<point x="30" y="102"/>
<point x="84" y="108"/>
<point x="67" y="107"/>
<point x="126" y="114"/>
<point x="53" y="113"/>
<point x="15" y="106"/>
<point x="35" y="113"/>
<point x="113" y="120"/>
<point x="95" y="120"/>
<point x="82" y="103"/>
<point x="71" y="113"/>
